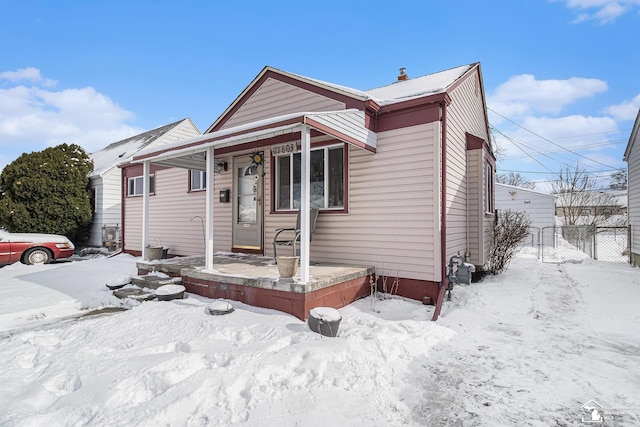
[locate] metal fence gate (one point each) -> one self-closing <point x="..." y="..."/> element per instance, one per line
<point x="575" y="243"/>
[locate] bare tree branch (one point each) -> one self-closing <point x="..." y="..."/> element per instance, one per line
<point x="578" y="202"/>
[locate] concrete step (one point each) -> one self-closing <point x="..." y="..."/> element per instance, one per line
<point x="152" y="281"/>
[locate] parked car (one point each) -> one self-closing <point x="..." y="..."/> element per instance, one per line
<point x="33" y="248"/>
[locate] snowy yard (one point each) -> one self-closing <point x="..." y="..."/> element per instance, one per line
<point x="537" y="345"/>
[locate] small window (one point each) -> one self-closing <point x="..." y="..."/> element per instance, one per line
<point x="327" y="179"/>
<point x="198" y="180"/>
<point x="488" y="189"/>
<point x="585" y="212"/>
<point x="135" y="185"/>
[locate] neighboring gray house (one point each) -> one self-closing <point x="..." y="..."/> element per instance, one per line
<point x="632" y="157"/>
<point x="106" y="178"/>
<point x="539" y="206"/>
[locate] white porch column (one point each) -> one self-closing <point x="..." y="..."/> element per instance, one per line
<point x="145" y="209"/>
<point x="305" y="199"/>
<point x="208" y="254"/>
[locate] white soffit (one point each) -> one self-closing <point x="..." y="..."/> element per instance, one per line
<point x="346" y="125"/>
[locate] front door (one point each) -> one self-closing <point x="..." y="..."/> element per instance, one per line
<point x="247" y="204"/>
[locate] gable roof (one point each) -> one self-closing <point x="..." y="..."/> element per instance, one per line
<point x="420" y="86"/>
<point x="525" y="190"/>
<point x="117" y="152"/>
<point x="597" y="198"/>
<point x="395" y="92"/>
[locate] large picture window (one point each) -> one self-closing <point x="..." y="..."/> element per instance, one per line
<point x="135" y="185"/>
<point x="327" y="179"/>
<point x="198" y="180"/>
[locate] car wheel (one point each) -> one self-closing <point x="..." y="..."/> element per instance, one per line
<point x="37" y="256"/>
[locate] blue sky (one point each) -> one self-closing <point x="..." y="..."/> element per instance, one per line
<point x="560" y="76"/>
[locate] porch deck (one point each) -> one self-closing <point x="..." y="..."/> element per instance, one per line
<point x="254" y="280"/>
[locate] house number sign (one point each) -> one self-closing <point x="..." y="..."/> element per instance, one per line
<point x="284" y="149"/>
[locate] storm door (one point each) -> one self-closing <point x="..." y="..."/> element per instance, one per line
<point x="247" y="204"/>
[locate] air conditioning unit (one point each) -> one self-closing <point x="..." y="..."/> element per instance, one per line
<point x="111" y="236"/>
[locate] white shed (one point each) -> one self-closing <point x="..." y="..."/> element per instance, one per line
<point x="539" y="206"/>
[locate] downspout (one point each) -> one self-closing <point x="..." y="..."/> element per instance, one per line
<point x="442" y="286"/>
<point x="123" y="188"/>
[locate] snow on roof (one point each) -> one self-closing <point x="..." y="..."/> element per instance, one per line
<point x="617" y="197"/>
<point x="528" y="190"/>
<point x="621" y="197"/>
<point x="419" y="86"/>
<point x="339" y="88"/>
<point x="400" y="90"/>
<point x="220" y="133"/>
<point x="277" y="124"/>
<point x="117" y="152"/>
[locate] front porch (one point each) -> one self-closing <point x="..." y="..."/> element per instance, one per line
<point x="254" y="280"/>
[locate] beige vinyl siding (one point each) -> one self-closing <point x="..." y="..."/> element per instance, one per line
<point x="475" y="172"/>
<point x="487" y="232"/>
<point x="275" y="98"/>
<point x="634" y="197"/>
<point x="487" y="221"/>
<point x="171" y="210"/>
<point x="466" y="221"/>
<point x="393" y="208"/>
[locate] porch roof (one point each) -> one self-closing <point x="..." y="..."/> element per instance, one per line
<point x="345" y="125"/>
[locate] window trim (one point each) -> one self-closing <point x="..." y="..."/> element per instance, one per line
<point x="345" y="177"/>
<point x="152" y="186"/>
<point x="489" y="205"/>
<point x="203" y="181"/>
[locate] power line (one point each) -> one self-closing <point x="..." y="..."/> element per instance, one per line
<point x="593" y="172"/>
<point x="599" y="144"/>
<point x="548" y="140"/>
<point x="520" y="148"/>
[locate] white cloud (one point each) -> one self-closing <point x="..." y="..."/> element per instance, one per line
<point x="603" y="11"/>
<point x="29" y="74"/>
<point x="626" y="110"/>
<point x="32" y="118"/>
<point x="566" y="133"/>
<point x="524" y="94"/>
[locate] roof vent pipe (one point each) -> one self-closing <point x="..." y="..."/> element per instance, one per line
<point x="403" y="75"/>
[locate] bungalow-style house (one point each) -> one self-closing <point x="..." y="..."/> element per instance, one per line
<point x="539" y="206"/>
<point x="632" y="157"/>
<point x="105" y="180"/>
<point x="402" y="175"/>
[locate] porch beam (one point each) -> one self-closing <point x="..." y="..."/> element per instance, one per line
<point x="305" y="201"/>
<point x="145" y="209"/>
<point x="209" y="210"/>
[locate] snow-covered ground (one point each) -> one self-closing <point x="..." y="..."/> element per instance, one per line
<point x="541" y="344"/>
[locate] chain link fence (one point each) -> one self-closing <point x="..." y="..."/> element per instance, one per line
<point x="575" y="243"/>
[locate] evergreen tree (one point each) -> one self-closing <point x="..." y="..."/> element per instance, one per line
<point x="619" y="180"/>
<point x="47" y="192"/>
